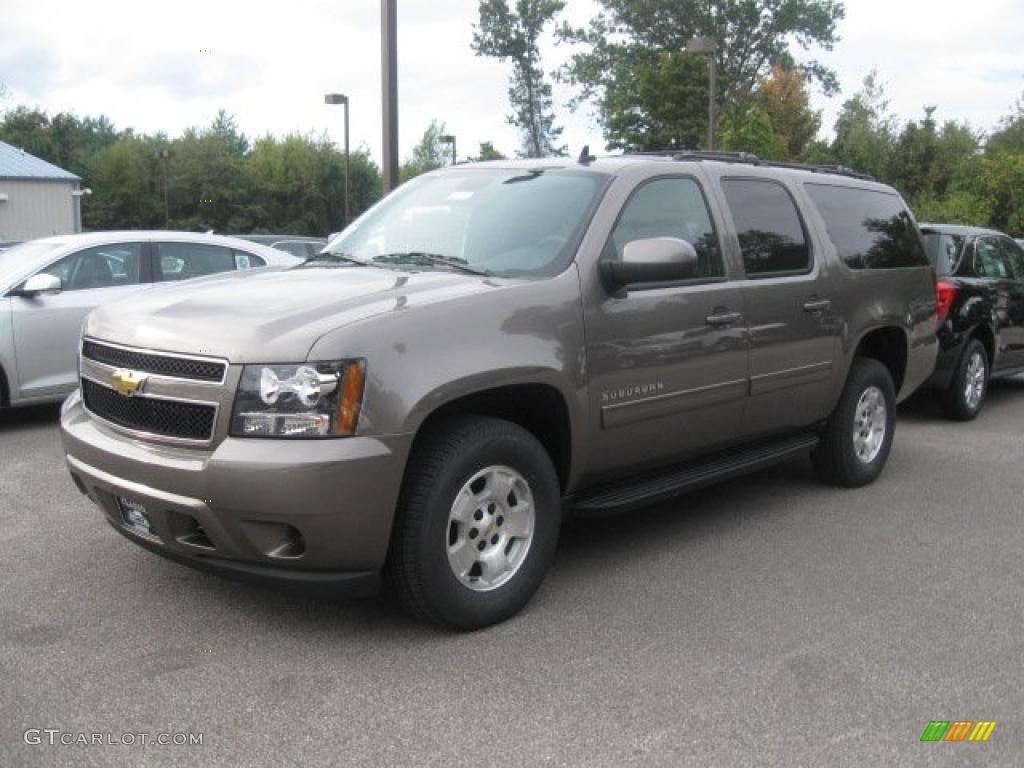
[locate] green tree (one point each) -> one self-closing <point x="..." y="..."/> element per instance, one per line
<point x="627" y="37"/>
<point x="124" y="178"/>
<point x="865" y="131"/>
<point x="514" y="35"/>
<point x="488" y="152"/>
<point x="749" y="129"/>
<point x="429" y="153"/>
<point x="1010" y="135"/>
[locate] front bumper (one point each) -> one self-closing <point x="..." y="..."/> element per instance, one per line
<point x="312" y="513"/>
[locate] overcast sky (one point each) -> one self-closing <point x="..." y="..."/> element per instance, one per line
<point x="145" y="64"/>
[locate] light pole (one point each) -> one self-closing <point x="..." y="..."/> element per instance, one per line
<point x="162" y="155"/>
<point x="709" y="46"/>
<point x="449" y="139"/>
<point x="389" y="83"/>
<point x="339" y="98"/>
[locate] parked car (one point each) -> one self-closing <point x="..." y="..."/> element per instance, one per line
<point x="491" y="345"/>
<point x="48" y="286"/>
<point x="303" y="247"/>
<point x="981" y="313"/>
<point x="8" y="244"/>
<point x="1020" y="242"/>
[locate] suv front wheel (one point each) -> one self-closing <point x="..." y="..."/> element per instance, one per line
<point x="856" y="442"/>
<point x="476" y="525"/>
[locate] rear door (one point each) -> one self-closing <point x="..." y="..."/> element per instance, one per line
<point x="1011" y="286"/>
<point x="787" y="300"/>
<point x="47" y="328"/>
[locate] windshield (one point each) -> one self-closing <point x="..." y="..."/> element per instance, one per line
<point x="943" y="250"/>
<point x="502" y="222"/>
<point x="26" y="256"/>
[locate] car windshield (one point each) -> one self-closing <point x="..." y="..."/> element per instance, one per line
<point x="943" y="250"/>
<point x="503" y="222"/>
<point x="14" y="262"/>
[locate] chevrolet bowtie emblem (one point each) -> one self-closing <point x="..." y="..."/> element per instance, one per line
<point x="128" y="383"/>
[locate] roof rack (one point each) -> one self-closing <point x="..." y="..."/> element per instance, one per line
<point x="750" y="159"/>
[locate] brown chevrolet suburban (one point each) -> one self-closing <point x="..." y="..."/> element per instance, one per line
<point x="492" y="346"/>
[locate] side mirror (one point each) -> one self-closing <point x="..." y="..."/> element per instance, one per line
<point x="653" y="260"/>
<point x="40" y="284"/>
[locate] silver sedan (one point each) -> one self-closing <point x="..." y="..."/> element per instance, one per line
<point x="48" y="286"/>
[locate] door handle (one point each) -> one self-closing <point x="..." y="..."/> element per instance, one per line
<point x="722" y="319"/>
<point x="818" y="305"/>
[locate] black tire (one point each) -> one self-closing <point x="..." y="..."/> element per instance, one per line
<point x="955" y="401"/>
<point x="443" y="461"/>
<point x="836" y="459"/>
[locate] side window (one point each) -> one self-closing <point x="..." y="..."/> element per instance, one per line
<point x="992" y="258"/>
<point x="771" y="234"/>
<point x="245" y="260"/>
<point x="182" y="261"/>
<point x="670" y="208"/>
<point x="871" y="229"/>
<point x="104" y="266"/>
<point x="1013" y="256"/>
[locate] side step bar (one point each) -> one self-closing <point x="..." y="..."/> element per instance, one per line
<point x="625" y="496"/>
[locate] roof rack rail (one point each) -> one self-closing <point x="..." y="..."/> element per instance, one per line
<point x="751" y="159"/>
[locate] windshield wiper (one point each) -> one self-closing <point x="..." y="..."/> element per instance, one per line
<point x="331" y="257"/>
<point x="430" y="259"/>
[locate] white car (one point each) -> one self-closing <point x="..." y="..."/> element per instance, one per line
<point x="48" y="286"/>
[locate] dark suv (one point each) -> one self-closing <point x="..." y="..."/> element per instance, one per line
<point x="980" y="312"/>
<point x="494" y="344"/>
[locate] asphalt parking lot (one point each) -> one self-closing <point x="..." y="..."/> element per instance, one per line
<point x="768" y="622"/>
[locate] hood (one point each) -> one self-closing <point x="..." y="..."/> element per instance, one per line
<point x="269" y="316"/>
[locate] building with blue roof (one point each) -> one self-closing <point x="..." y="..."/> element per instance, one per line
<point x="37" y="198"/>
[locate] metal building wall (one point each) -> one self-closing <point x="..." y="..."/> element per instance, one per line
<point x="35" y="209"/>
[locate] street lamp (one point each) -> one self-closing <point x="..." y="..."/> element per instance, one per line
<point x="338" y="98"/>
<point x="163" y="155"/>
<point x="447" y="138"/>
<point x="709" y="46"/>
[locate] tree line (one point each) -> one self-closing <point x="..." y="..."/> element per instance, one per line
<point x="629" y="64"/>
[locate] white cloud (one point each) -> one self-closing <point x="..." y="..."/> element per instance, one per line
<point x="141" y="64"/>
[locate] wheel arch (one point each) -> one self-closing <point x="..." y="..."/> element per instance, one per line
<point x="889" y="346"/>
<point x="538" y="407"/>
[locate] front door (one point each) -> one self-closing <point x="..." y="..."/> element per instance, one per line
<point x="667" y="363"/>
<point x="47" y="327"/>
<point x="793" y="329"/>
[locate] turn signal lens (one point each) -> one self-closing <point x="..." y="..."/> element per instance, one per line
<point x="351" y="398"/>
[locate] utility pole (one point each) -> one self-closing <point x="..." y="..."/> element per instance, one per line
<point x="162" y="155"/>
<point x="389" y="81"/>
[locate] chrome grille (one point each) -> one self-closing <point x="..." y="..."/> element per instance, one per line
<point x="174" y="366"/>
<point x="168" y="418"/>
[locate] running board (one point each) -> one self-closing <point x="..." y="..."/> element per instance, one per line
<point x="629" y="494"/>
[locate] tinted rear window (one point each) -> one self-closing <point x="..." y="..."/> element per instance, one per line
<point x="870" y="229"/>
<point x="943" y="250"/>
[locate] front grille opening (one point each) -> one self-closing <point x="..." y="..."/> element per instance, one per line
<point x="188" y="531"/>
<point x="189" y="421"/>
<point x="277" y="540"/>
<point x="176" y="367"/>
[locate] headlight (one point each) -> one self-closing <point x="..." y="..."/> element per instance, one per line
<point x="299" y="400"/>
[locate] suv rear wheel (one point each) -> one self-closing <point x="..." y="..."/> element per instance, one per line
<point x="477" y="523"/>
<point x="855" y="445"/>
<point x="965" y="396"/>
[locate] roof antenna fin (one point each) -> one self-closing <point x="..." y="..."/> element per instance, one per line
<point x="585" y="157"/>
